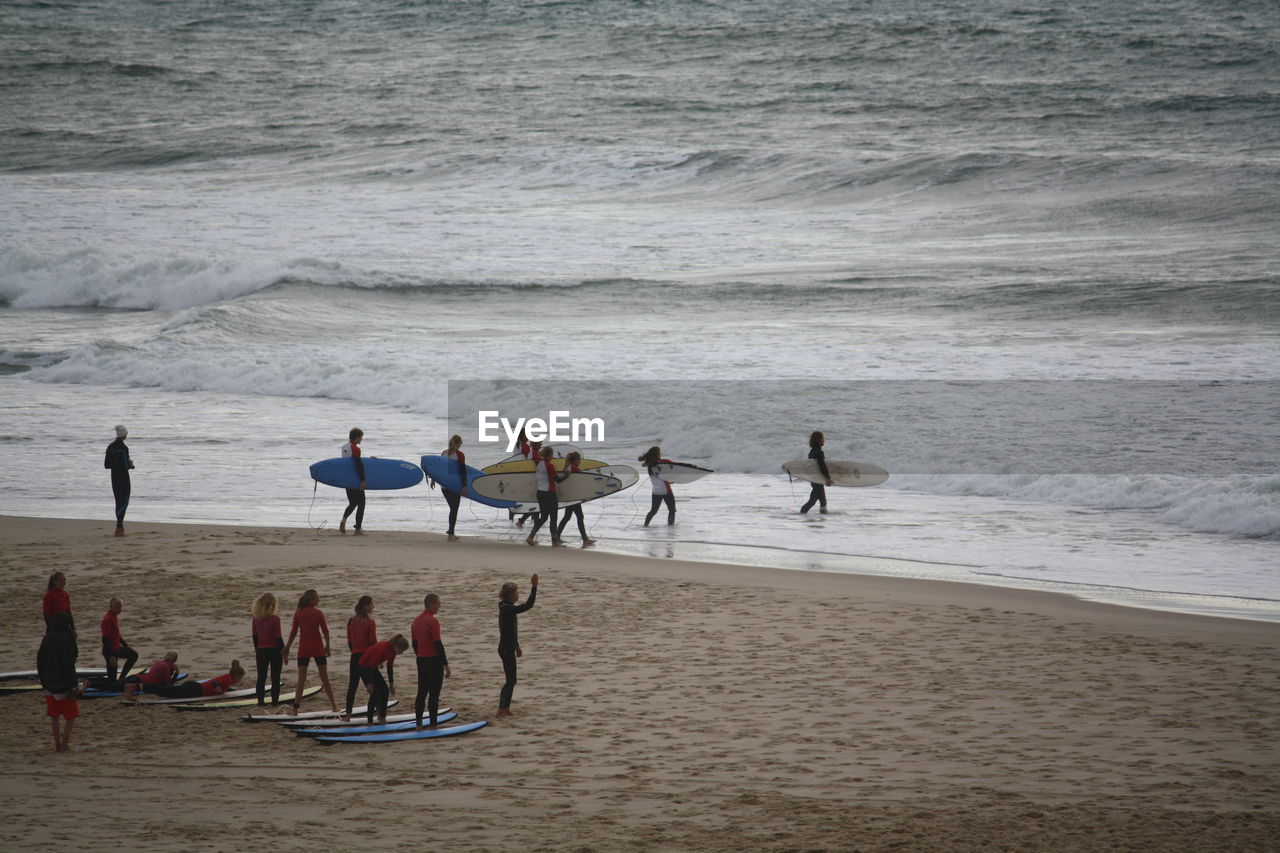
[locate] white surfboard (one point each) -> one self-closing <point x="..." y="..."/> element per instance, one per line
<point x="310" y="718"/>
<point x="360" y="720"/>
<point x="523" y="486"/>
<point x="842" y="473"/>
<point x="680" y="472"/>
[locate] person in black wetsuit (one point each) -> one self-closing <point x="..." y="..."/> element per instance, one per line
<point x="118" y="461"/>
<point x="818" y="494"/>
<point x="509" y="637"/>
<point x="355" y="497"/>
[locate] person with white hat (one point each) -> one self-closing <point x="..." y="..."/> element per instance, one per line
<point x="119" y="463"/>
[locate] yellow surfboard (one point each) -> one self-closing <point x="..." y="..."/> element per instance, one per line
<point x="516" y="466"/>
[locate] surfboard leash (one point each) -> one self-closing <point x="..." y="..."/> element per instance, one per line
<point x="315" y="487"/>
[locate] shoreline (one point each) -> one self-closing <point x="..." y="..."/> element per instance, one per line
<point x="662" y="705"/>
<point x="790" y="560"/>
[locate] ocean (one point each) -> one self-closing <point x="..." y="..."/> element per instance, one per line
<point x="242" y="228"/>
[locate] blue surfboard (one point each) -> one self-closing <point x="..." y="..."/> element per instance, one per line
<point x="395" y="736"/>
<point x="444" y="471"/>
<point x="378" y="473"/>
<point x="375" y="729"/>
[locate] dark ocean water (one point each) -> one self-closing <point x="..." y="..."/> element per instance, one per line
<point x="290" y="204"/>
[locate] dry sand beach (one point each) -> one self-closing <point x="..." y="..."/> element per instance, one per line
<point x="662" y="706"/>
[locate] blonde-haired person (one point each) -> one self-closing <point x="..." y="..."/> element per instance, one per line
<point x="268" y="645"/>
<point x="313" y="642"/>
<point x="454" y="453"/>
<point x="509" y="637"/>
<point x="208" y="687"/>
<point x="380" y="689"/>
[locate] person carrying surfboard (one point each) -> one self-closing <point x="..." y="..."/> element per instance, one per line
<point x="355" y="497"/>
<point x="662" y="493"/>
<point x="118" y="461"/>
<point x="454" y="453"/>
<point x="571" y="466"/>
<point x="548" y="504"/>
<point x="818" y="493"/>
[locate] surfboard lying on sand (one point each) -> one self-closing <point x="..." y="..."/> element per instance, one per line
<point x="333" y="722"/>
<point x="81" y="672"/>
<point x="379" y="474"/>
<point x="310" y="718"/>
<point x="680" y="472"/>
<point x="445" y="473"/>
<point x="375" y="729"/>
<point x="398" y="736"/>
<point x="842" y="473"/>
<point x="523" y="486"/>
<point x="212" y="703"/>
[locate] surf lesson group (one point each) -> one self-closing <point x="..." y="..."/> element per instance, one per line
<point x="64" y="683"/>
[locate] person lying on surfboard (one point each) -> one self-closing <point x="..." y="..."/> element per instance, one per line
<point x="196" y="689"/>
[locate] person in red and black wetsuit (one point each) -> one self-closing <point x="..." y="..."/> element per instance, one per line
<point x="529" y="450"/>
<point x="114" y="648"/>
<point x="309" y="625"/>
<point x="652" y="458"/>
<point x="433" y="664"/>
<point x="56" y="600"/>
<point x="362" y="632"/>
<point x="548" y="506"/>
<point x="268" y="645"/>
<point x="159" y="675"/>
<point x="571" y="466"/>
<point x="208" y="687"/>
<point x="818" y="492"/>
<point x="355" y="497"/>
<point x="380" y="689"/>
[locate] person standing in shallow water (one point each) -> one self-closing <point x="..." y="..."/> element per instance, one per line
<point x="119" y="463"/>
<point x="661" y="489"/>
<point x="355" y="497"/>
<point x="818" y="493"/>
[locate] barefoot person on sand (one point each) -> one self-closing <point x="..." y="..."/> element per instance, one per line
<point x="509" y="637"/>
<point x="56" y="664"/>
<point x="313" y="633"/>
<point x="268" y="646"/>
<point x="380" y="689"/>
<point x="114" y="648"/>
<point x="362" y="632"/>
<point x="433" y="664"/>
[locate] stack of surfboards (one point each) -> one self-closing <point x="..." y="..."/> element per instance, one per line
<point x="324" y="728"/>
